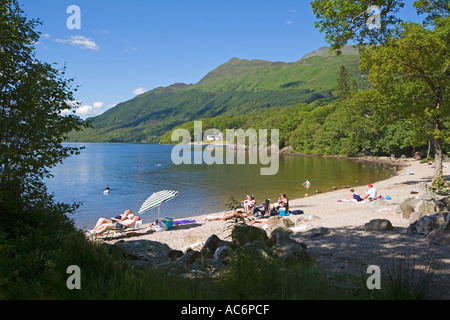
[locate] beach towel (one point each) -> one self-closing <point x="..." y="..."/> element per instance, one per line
<point x="183" y="221"/>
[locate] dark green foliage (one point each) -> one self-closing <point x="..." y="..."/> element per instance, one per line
<point x="33" y="95"/>
<point x="343" y="82"/>
<point x="408" y="63"/>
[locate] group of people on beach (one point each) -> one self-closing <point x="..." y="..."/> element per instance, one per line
<point x="127" y="219"/>
<point x="251" y="210"/>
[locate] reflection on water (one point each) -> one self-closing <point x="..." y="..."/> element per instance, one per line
<point x="135" y="171"/>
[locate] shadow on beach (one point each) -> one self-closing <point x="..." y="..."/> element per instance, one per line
<point x="347" y="252"/>
<point x="350" y="251"/>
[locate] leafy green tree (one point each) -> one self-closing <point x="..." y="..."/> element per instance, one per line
<point x="35" y="116"/>
<point x="434" y="9"/>
<point x="353" y="87"/>
<point x="397" y="138"/>
<point x="408" y="63"/>
<point x="414" y="71"/>
<point x="343" y="83"/>
<point x="345" y="20"/>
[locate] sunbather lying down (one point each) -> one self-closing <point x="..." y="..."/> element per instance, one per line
<point x="227" y="215"/>
<point x="102" y="228"/>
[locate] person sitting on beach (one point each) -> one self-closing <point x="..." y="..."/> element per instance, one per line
<point x="128" y="214"/>
<point x="248" y="204"/>
<point x="353" y="196"/>
<point x="115" y="225"/>
<point x="371" y="194"/>
<point x="282" y="202"/>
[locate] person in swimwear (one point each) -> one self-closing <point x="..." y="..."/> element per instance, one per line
<point x="121" y="217"/>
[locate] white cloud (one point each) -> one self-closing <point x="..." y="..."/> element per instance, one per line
<point x="90" y="111"/>
<point x="86" y="110"/>
<point x="289" y="22"/>
<point x="96" y="109"/>
<point x="98" y="105"/>
<point x="81" y="41"/>
<point x="139" y="91"/>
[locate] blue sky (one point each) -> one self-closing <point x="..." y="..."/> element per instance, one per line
<point x="127" y="47"/>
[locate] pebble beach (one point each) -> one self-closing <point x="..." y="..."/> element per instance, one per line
<point x="345" y="248"/>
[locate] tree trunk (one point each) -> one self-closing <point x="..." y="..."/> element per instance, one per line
<point x="438" y="154"/>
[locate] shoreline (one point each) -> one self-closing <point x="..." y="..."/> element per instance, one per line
<point x="394" y="162"/>
<point x="347" y="248"/>
<point x="325" y="206"/>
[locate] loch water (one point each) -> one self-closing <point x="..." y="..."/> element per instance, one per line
<point x="134" y="171"/>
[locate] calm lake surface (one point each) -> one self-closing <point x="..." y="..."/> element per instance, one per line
<point x="135" y="171"/>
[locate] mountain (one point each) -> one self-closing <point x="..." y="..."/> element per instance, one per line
<point x="324" y="52"/>
<point x="236" y="87"/>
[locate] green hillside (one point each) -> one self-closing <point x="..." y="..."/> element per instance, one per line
<point x="235" y="88"/>
<point x="315" y="71"/>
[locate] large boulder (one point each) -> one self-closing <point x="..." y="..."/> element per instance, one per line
<point x="425" y="204"/>
<point x="275" y="222"/>
<point x="378" y="225"/>
<point x="429" y="195"/>
<point x="146" y="253"/>
<point x="428" y="207"/>
<point x="281" y="230"/>
<point x="439" y="236"/>
<point x="280" y="244"/>
<point x="407" y="207"/>
<point x="188" y="258"/>
<point x="322" y="231"/>
<point x="426" y="224"/>
<point x="287" y="249"/>
<point x="211" y="245"/>
<point x="223" y="254"/>
<point x="446" y="202"/>
<point x="243" y="233"/>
